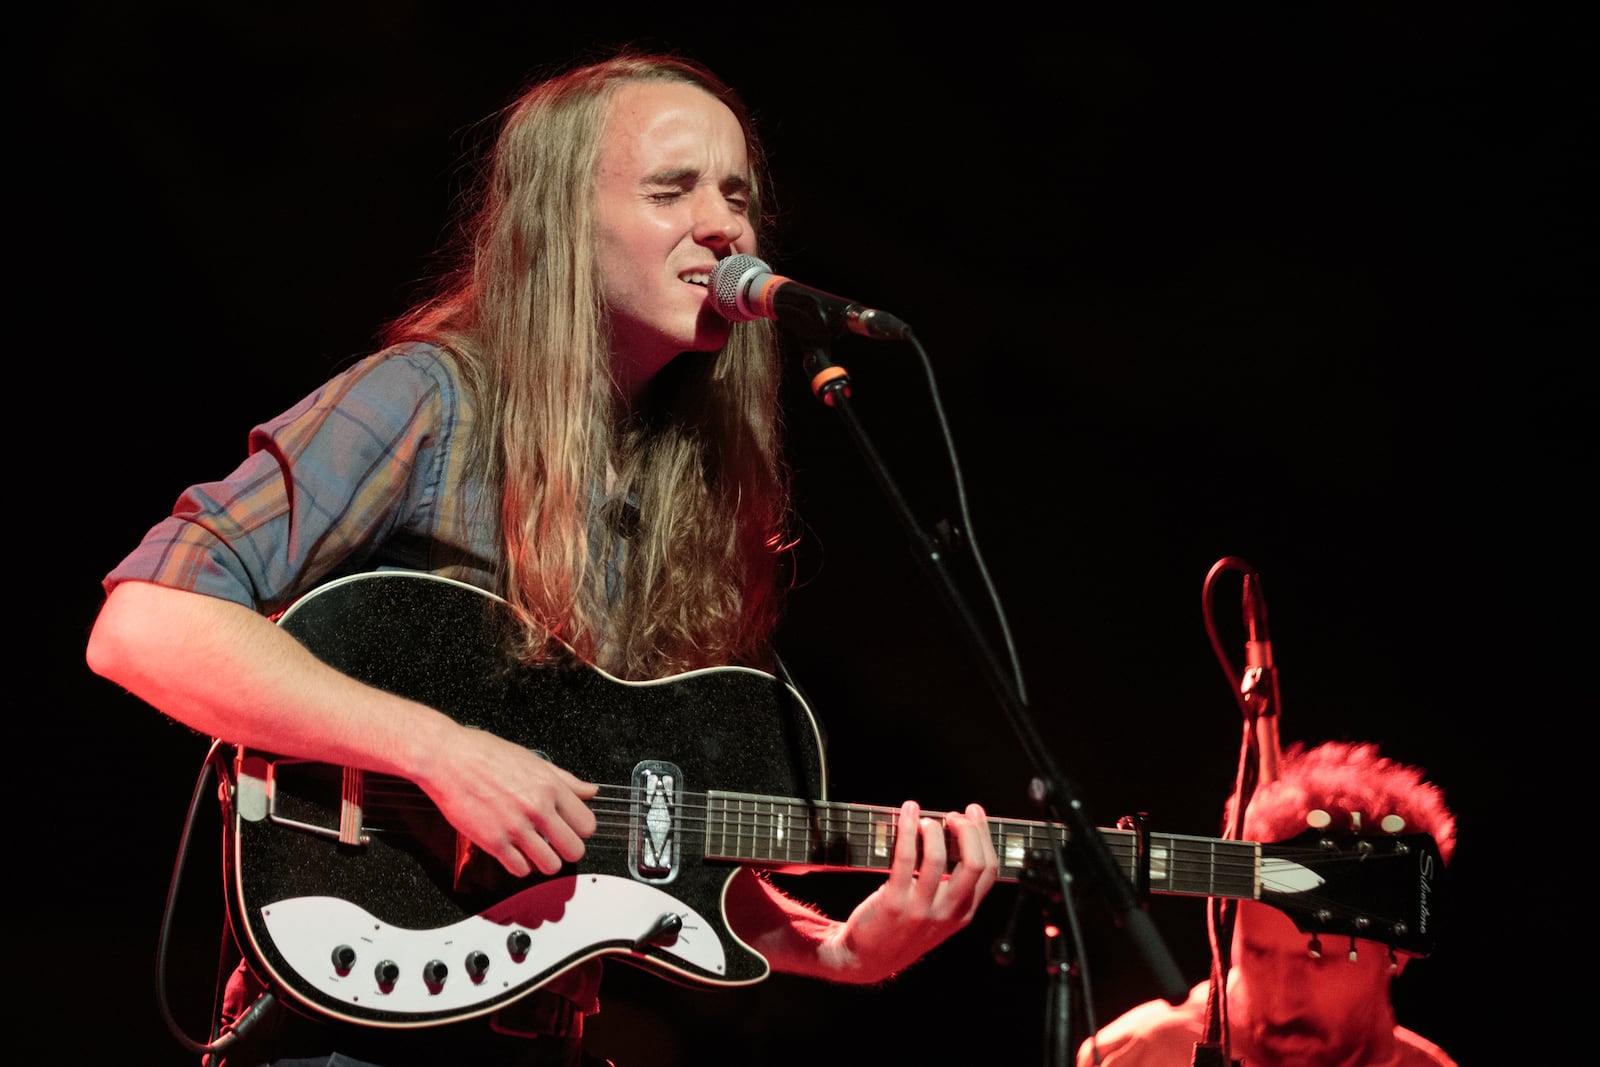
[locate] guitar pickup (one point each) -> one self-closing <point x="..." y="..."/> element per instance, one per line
<point x="653" y="821"/>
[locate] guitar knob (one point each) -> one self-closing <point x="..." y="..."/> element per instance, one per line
<point x="477" y="964"/>
<point x="387" y="973"/>
<point x="664" y="930"/>
<point x="517" y="943"/>
<point x="434" y="973"/>
<point x="344" y="957"/>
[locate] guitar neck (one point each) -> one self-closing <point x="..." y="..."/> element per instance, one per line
<point x="798" y="836"/>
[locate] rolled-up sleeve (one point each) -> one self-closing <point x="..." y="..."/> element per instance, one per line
<point x="360" y="464"/>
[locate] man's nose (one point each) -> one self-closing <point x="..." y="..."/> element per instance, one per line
<point x="717" y="224"/>
<point x="1277" y="994"/>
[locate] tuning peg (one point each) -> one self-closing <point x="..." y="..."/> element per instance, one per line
<point x="1392" y="824"/>
<point x="1318" y="819"/>
<point x="1355" y="822"/>
<point x="1314" y="949"/>
<point x="1353" y="954"/>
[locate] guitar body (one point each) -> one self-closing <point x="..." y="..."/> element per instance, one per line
<point x="354" y="895"/>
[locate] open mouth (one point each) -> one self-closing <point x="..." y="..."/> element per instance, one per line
<point x="696" y="277"/>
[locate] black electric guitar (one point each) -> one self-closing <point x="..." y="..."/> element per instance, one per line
<point x="351" y="893"/>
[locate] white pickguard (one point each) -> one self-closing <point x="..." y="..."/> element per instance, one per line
<point x="567" y="919"/>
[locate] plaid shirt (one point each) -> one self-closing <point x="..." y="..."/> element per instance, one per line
<point x="366" y="472"/>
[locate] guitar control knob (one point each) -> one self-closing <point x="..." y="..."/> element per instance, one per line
<point x="477" y="964"/>
<point x="664" y="930"/>
<point x="344" y="957"/>
<point x="517" y="943"/>
<point x="434" y="972"/>
<point x="387" y="973"/>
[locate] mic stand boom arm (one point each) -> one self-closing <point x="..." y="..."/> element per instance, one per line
<point x="830" y="384"/>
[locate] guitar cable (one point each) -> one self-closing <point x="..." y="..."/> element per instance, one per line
<point x="221" y="1038"/>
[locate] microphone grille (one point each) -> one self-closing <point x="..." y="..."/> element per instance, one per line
<point x="729" y="281"/>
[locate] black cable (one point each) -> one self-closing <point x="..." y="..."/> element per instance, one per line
<point x="1215" y="1042"/>
<point x="218" y="1042"/>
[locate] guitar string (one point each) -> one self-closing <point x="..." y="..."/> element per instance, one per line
<point x="733" y="813"/>
<point x="870" y="830"/>
<point x="1188" y="866"/>
<point x="788" y="826"/>
<point x="1191" y="872"/>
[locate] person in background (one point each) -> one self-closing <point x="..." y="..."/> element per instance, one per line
<point x="1290" y="1002"/>
<point x="567" y="423"/>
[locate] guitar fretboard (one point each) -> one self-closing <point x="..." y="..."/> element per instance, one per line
<point x="776" y="832"/>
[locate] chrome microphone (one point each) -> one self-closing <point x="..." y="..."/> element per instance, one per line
<point x="744" y="288"/>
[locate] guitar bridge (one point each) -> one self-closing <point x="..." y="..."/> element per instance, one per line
<point x="258" y="796"/>
<point x="653" y="821"/>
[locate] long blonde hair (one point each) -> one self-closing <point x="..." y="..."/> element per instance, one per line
<point x="702" y="490"/>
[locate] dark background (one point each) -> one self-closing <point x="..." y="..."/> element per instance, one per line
<point x="1300" y="288"/>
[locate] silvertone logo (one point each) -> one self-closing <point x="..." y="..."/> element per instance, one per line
<point x="1424" y="910"/>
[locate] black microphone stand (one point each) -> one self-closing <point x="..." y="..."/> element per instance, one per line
<point x="1051" y="789"/>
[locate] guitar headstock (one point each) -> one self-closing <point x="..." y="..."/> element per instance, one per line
<point x="1387" y="888"/>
